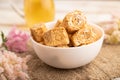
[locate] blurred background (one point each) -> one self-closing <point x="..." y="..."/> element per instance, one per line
<point x="11" y="11"/>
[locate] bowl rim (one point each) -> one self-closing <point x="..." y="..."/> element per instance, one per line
<point x="45" y="46"/>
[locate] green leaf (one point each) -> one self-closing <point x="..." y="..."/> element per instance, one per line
<point x="4" y="39"/>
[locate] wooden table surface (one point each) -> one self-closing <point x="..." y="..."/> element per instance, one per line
<point x="106" y="66"/>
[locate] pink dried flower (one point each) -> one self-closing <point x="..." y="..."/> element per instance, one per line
<point x="17" y="40"/>
<point x="13" y="67"/>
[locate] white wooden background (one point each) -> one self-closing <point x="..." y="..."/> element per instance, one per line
<point x="96" y="10"/>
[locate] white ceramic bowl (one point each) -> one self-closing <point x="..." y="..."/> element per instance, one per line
<point x="72" y="57"/>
